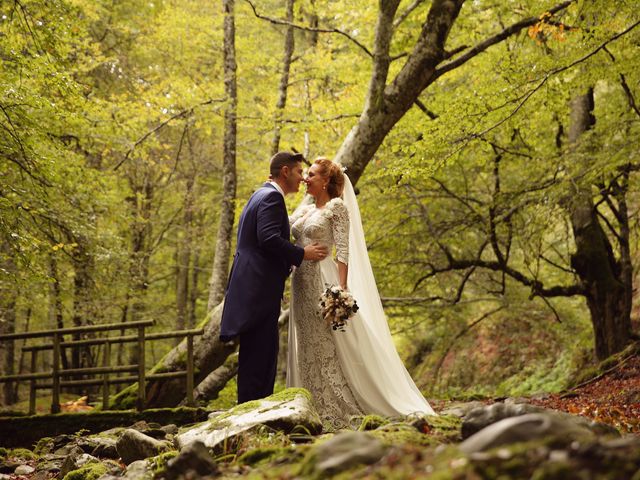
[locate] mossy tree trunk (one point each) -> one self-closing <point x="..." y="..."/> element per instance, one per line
<point x="607" y="284"/>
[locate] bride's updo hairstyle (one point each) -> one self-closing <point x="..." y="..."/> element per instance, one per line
<point x="333" y="172"/>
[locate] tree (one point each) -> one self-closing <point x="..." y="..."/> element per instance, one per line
<point x="387" y="102"/>
<point x="227" y="210"/>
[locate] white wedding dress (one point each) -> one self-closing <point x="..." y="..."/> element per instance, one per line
<point x="357" y="371"/>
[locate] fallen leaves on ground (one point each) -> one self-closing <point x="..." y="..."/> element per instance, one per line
<point x="613" y="398"/>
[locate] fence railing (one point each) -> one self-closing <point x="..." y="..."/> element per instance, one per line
<point x="106" y="370"/>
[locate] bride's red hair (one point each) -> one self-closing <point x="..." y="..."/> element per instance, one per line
<point x="333" y="172"/>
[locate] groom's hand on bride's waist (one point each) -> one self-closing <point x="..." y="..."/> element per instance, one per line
<point x="315" y="252"/>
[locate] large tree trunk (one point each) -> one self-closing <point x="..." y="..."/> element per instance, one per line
<point x="227" y="207"/>
<point x="289" y="45"/>
<point x="594" y="261"/>
<point x="386" y="104"/>
<point x="210" y="387"/>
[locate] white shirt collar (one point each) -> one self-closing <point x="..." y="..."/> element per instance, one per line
<point x="277" y="187"/>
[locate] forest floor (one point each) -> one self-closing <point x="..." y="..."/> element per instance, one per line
<point x="612" y="397"/>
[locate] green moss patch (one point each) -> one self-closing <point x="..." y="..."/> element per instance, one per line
<point x="23" y="453"/>
<point x="91" y="471"/>
<point x="159" y="463"/>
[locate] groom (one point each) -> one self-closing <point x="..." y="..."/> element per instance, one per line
<point x="261" y="265"/>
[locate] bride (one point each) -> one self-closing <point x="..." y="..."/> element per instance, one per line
<point x="357" y="371"/>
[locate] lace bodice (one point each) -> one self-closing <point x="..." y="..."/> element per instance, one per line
<point x="328" y="226"/>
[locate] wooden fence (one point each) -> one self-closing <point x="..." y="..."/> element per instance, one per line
<point x="106" y="370"/>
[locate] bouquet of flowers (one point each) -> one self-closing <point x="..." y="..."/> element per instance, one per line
<point x="337" y="306"/>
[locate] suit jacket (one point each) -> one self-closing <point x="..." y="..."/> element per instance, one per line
<point x="263" y="260"/>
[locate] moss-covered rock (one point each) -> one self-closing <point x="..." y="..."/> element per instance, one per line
<point x="400" y="433"/>
<point x="90" y="471"/>
<point x="159" y="463"/>
<point x="258" y="455"/>
<point x="371" y="422"/>
<point x="26" y="431"/>
<point x="23" y="453"/>
<point x="45" y="445"/>
<point x="284" y="411"/>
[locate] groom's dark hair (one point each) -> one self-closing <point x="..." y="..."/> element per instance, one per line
<point x="282" y="159"/>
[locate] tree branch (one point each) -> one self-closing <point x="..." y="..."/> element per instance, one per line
<point x="277" y="21"/>
<point x="536" y="286"/>
<point x="629" y="93"/>
<point x="544" y="80"/>
<point x="507" y="32"/>
<point x="183" y="113"/>
<point x="403" y="16"/>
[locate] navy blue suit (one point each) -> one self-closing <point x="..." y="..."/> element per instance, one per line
<point x="263" y="260"/>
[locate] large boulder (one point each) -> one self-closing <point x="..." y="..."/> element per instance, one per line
<point x="341" y="452"/>
<point x="194" y="460"/>
<point x="525" y="428"/>
<point x="481" y="417"/>
<point x="133" y="445"/>
<point x="286" y="411"/>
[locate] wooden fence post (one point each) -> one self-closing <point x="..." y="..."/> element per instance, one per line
<point x="32" y="384"/>
<point x="141" y="369"/>
<point x="190" y="370"/>
<point x="106" y="361"/>
<point x="55" y="398"/>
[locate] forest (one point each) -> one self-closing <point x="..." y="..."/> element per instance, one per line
<point x="494" y="147"/>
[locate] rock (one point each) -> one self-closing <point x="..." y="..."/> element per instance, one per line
<point x="75" y="461"/>
<point x="70" y="461"/>
<point x="525" y="428"/>
<point x="286" y="411"/>
<point x="51" y="463"/>
<point x="342" y="452"/>
<point x="461" y="409"/>
<point x="170" y="429"/>
<point x="112" y="432"/>
<point x="24" y="470"/>
<point x="134" y="445"/>
<point x="8" y="466"/>
<point x="140" y="425"/>
<point x="104" y="450"/>
<point x="138" y="470"/>
<point x="481" y="417"/>
<point x="99" y="446"/>
<point x="478" y="418"/>
<point x="196" y="458"/>
<point x="41" y="475"/>
<point x="89" y="471"/>
<point x="69" y="449"/>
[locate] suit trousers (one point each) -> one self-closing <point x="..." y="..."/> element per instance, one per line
<point x="258" y="360"/>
